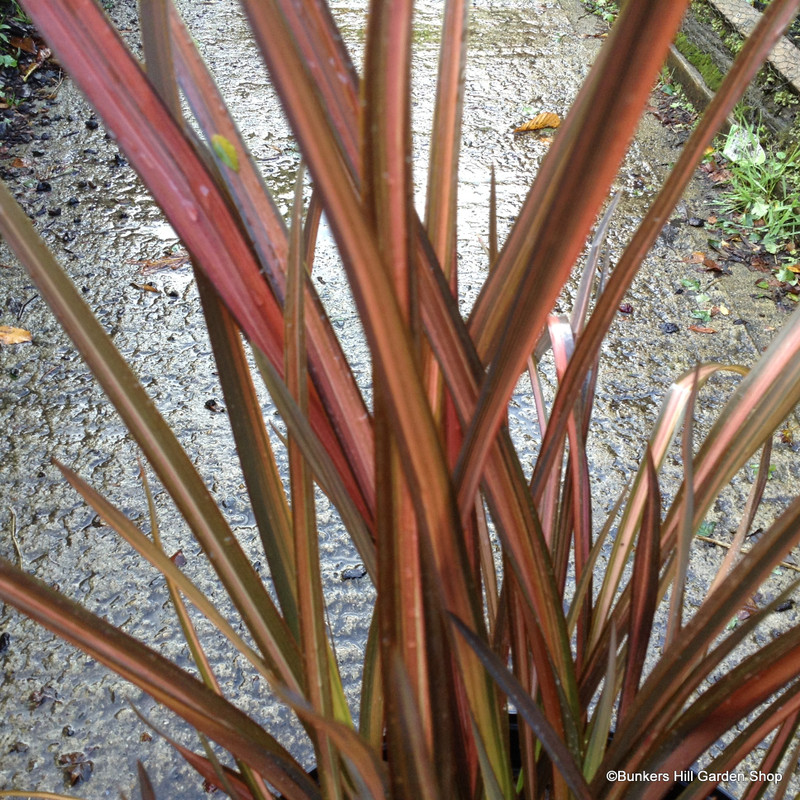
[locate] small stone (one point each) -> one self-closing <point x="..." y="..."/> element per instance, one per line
<point x="5" y="642"/>
<point x="92" y="124"/>
<point x="68" y="730"/>
<point x="740" y="322"/>
<point x="668" y="327"/>
<point x="214" y="406"/>
<point x="73" y="201"/>
<point x="44" y="186"/>
<point x="54" y="212"/>
<point x="18" y="747"/>
<point x="785" y="606"/>
<point x="696" y="222"/>
<point x="354" y="573"/>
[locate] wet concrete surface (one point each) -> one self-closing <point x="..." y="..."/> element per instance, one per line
<point x="525" y="57"/>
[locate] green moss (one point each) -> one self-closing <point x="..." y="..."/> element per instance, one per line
<point x="423" y="34"/>
<point x="701" y="61"/>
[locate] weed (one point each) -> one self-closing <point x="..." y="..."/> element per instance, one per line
<point x="787" y="275"/>
<point x="706" y="528"/>
<point x="704" y="308"/>
<point x="691" y="283"/>
<point x="607" y="10"/>
<point x="8" y="53"/>
<point x="785" y="98"/>
<point x="754" y="469"/>
<point x="11" y="9"/>
<point x="674" y="107"/>
<point x="763" y="193"/>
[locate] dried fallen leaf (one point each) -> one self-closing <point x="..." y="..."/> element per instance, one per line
<point x="26" y="44"/>
<point x="30" y="70"/>
<point x="793" y="267"/>
<point x="696" y="258"/>
<point x="750" y="607"/>
<point x="544" y="120"/>
<point x="10" y="335"/>
<point x="145" y="287"/>
<point x="711" y="265"/>
<point x="148" y="265"/>
<point x="701" y="329"/>
<point x="77" y="767"/>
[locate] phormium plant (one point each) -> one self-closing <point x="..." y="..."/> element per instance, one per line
<point x="422" y="476"/>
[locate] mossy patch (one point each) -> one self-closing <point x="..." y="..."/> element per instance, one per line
<point x="423" y="33"/>
<point x="701" y="61"/>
